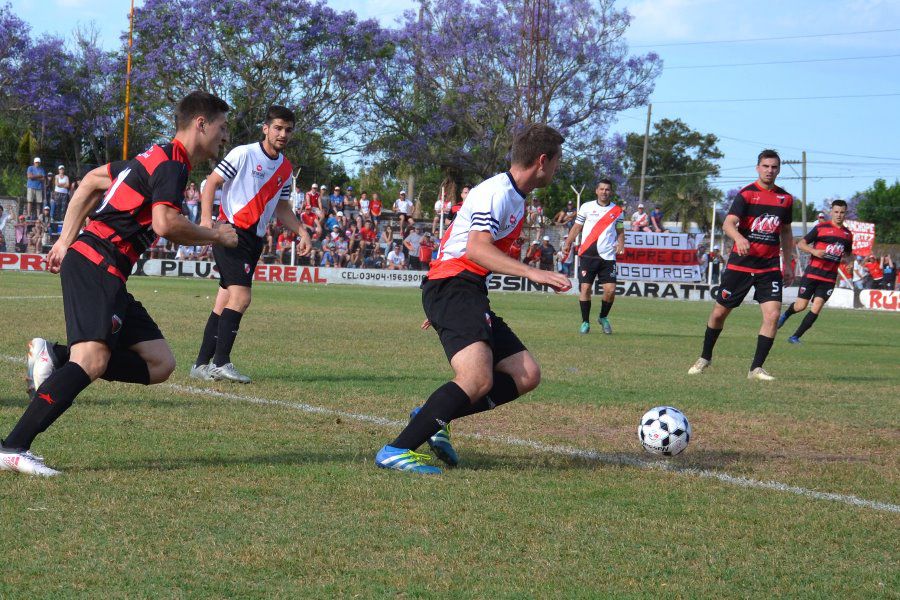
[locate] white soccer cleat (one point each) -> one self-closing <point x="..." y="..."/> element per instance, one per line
<point x="227" y="372"/>
<point x="759" y="374"/>
<point x="202" y="372"/>
<point x="701" y="365"/>
<point x="25" y="462"/>
<point x="40" y="364"/>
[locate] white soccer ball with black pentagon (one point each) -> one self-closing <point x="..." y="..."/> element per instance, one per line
<point x="664" y="430"/>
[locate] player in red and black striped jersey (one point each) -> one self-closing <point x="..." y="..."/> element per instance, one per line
<point x="110" y="334"/>
<point x="759" y="222"/>
<point x="829" y="243"/>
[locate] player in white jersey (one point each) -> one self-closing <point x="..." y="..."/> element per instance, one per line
<point x="257" y="185"/>
<point x="605" y="226"/>
<point x="491" y="365"/>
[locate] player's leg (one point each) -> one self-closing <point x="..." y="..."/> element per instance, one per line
<point x="201" y="366"/>
<point x="238" y="301"/>
<point x="584" y="302"/>
<point x="804" y="293"/>
<point x="608" y="279"/>
<point x="770" y="311"/>
<point x="817" y="304"/>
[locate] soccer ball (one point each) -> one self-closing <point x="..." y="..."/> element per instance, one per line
<point x="664" y="430"/>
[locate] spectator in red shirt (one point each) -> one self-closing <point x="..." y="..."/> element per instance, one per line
<point x="533" y="255"/>
<point x="426" y="248"/>
<point x="873" y="266"/>
<point x="285" y="243"/>
<point x="375" y="208"/>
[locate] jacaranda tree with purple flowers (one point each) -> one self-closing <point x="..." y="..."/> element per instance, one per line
<point x="301" y="54"/>
<point x="466" y="73"/>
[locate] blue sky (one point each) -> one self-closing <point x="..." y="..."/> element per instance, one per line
<point x="849" y="141"/>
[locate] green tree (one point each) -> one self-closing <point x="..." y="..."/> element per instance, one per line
<point x="680" y="165"/>
<point x="27" y="149"/>
<point x="880" y="204"/>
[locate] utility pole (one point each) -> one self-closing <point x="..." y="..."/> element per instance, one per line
<point x="644" y="159"/>
<point x="802" y="163"/>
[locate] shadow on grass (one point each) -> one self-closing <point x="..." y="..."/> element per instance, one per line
<point x="177" y="463"/>
<point x="23" y="400"/>
<point x="854" y="378"/>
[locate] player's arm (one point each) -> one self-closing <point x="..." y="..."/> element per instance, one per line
<point x="805" y="247"/>
<point x="573" y="235"/>
<point x="168" y="222"/>
<point x="481" y="250"/>
<point x="82" y="203"/>
<point x="730" y="227"/>
<point x="787" y="251"/>
<point x="207" y="198"/>
<point x="620" y="237"/>
<point x="284" y="214"/>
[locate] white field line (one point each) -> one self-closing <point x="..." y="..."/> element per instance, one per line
<point x="559" y="450"/>
<point x="30" y="297"/>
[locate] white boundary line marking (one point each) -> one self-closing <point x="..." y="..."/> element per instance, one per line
<point x="559" y="450"/>
<point x="30" y="298"/>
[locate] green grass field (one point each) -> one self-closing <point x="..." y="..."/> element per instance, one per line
<point x="269" y="490"/>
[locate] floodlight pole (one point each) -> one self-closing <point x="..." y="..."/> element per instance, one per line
<point x="644" y="159"/>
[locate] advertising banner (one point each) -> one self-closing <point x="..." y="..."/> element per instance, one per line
<point x="863" y="237"/>
<point x="659" y="257"/>
<point x="880" y="300"/>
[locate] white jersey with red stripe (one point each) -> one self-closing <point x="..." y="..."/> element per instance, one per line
<point x="588" y="215"/>
<point x="254" y="184"/>
<point x="495" y="205"/>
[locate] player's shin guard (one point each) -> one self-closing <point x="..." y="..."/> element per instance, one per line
<point x="605" y="307"/>
<point x="439" y="410"/>
<point x="208" y="345"/>
<point x="709" y="342"/>
<point x="763" y="345"/>
<point x="47" y="404"/>
<point x="585" y="310"/>
<point x="229" y="323"/>
<point x="806" y="323"/>
<point x="127" y="366"/>
<point x="504" y="390"/>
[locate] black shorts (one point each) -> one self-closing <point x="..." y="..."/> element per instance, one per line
<point x="736" y="284"/>
<point x="99" y="308"/>
<point x="815" y="287"/>
<point x="237" y="265"/>
<point x="460" y="312"/>
<point x="590" y="268"/>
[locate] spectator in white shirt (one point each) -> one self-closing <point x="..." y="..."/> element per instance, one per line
<point x="403" y="208"/>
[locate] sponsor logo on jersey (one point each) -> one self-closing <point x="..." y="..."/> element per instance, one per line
<point x="834" y="250"/>
<point x="766" y="223"/>
<point x="116" y="324"/>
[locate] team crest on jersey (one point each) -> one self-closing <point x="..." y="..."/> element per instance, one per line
<point x="487" y="319"/>
<point x="766" y="223"/>
<point x="724" y="294"/>
<point x="583" y="273"/>
<point x="781" y="199"/>
<point x="116" y="324"/>
<point x="246" y="268"/>
<point x="801" y="290"/>
<point x="512" y="219"/>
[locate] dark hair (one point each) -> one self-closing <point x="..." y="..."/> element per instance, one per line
<point x="839" y="203"/>
<point x="280" y="112"/>
<point x="533" y="140"/>
<point x="198" y="104"/>
<point x="606" y="181"/>
<point x="767" y="154"/>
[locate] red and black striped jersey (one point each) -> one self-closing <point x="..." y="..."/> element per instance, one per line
<point x="121" y="228"/>
<point x="836" y="241"/>
<point x="762" y="213"/>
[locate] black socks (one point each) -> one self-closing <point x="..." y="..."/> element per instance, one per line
<point x="208" y="345"/>
<point x="709" y="341"/>
<point x="807" y="322"/>
<point x="763" y="345"/>
<point x="49" y="401"/>
<point x="439" y="410"/>
<point x="229" y="323"/>
<point x="503" y="391"/>
<point x="605" y="307"/>
<point x="585" y="310"/>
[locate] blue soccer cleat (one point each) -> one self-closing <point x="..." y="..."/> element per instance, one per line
<point x="440" y="443"/>
<point x="604" y="323"/>
<point x="782" y="319"/>
<point x="794" y="340"/>
<point x="585" y="328"/>
<point x="400" y="459"/>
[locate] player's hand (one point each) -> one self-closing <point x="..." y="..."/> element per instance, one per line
<point x="787" y="278"/>
<point x="426" y="324"/>
<point x="818" y="253"/>
<point x="304" y="246"/>
<point x="557" y="281"/>
<point x="226" y="235"/>
<point x="620" y="249"/>
<point x="55" y="256"/>
<point x="741" y="246"/>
